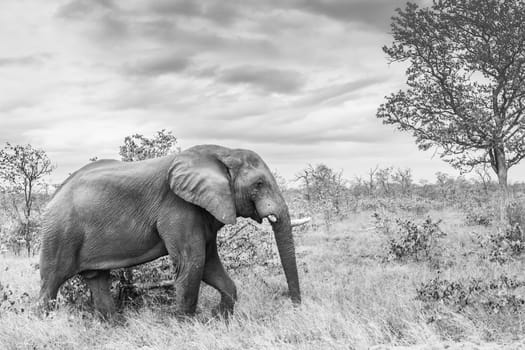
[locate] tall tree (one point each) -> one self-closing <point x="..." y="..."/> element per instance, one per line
<point x="22" y="169"/>
<point x="465" y="90"/>
<point x="138" y="147"/>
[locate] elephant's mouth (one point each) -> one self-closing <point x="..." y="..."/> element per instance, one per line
<point x="272" y="218"/>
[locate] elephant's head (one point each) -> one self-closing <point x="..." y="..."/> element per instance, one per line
<point x="233" y="182"/>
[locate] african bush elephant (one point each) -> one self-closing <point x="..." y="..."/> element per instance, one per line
<point x="112" y="214"/>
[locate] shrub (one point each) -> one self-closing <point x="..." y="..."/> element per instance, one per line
<point x="493" y="296"/>
<point x="445" y="291"/>
<point x="376" y="204"/>
<point x="414" y="241"/>
<point x="383" y="223"/>
<point x="478" y="214"/>
<point x="502" y="246"/>
<point x="10" y="301"/>
<point x="515" y="212"/>
<point x="75" y="293"/>
<point x="418" y="206"/>
<point x="246" y="245"/>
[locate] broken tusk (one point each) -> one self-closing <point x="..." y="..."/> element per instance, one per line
<point x="299" y="222"/>
<point x="272" y="218"/>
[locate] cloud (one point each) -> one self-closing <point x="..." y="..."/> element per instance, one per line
<point x="80" y="9"/>
<point x="266" y="79"/>
<point x="166" y="32"/>
<point x="334" y="93"/>
<point x="165" y="24"/>
<point x="103" y="21"/>
<point x="221" y="12"/>
<point x="374" y="13"/>
<point x="12" y="105"/>
<point x="35" y="59"/>
<point x="159" y="65"/>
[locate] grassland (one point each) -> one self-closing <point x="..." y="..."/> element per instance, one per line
<point x="353" y="298"/>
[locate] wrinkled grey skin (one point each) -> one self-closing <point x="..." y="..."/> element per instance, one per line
<point x="112" y="214"/>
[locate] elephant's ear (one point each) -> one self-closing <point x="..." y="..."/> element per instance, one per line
<point x="203" y="180"/>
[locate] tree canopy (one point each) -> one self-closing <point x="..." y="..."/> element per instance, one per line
<point x="22" y="168"/>
<point x="465" y="90"/>
<point x="138" y="147"/>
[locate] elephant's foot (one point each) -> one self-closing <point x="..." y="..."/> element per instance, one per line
<point x="186" y="305"/>
<point x="99" y="284"/>
<point x="223" y="310"/>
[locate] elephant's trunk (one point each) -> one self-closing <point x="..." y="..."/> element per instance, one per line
<point x="283" y="236"/>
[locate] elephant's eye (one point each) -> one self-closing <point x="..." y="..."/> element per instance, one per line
<point x="259" y="184"/>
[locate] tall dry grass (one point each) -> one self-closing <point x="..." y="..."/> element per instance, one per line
<point x="353" y="298"/>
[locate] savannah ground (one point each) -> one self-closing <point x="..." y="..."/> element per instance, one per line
<point x="354" y="297"/>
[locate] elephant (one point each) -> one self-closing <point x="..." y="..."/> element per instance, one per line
<point x="112" y="214"/>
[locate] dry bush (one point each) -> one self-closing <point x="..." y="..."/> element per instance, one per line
<point x="246" y="245"/>
<point x="409" y="240"/>
<point x="479" y="210"/>
<point x="11" y="301"/>
<point x="502" y="294"/>
<point x="515" y="212"/>
<point x="414" y="241"/>
<point x="503" y="245"/>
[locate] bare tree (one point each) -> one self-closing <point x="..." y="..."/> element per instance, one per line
<point x="484" y="177"/>
<point x="304" y="176"/>
<point x="323" y="185"/>
<point x="404" y="179"/>
<point x="445" y="185"/>
<point x="382" y="177"/>
<point x="359" y="186"/>
<point x="371" y="185"/>
<point x="281" y="181"/>
<point x="22" y="169"/>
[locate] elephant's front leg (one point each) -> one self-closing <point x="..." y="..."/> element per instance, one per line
<point x="188" y="255"/>
<point x="189" y="267"/>
<point x="216" y="276"/>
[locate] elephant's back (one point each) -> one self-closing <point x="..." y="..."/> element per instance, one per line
<point x="109" y="187"/>
<point x="113" y="172"/>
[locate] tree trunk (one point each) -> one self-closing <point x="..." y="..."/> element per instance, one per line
<point x="504" y="195"/>
<point x="27" y="238"/>
<point x="499" y="165"/>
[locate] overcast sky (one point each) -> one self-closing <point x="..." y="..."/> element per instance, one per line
<point x="297" y="81"/>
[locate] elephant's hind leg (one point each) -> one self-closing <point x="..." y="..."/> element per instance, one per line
<point x="52" y="276"/>
<point x="99" y="282"/>
<point x="50" y="283"/>
<point x="215" y="275"/>
<point x="57" y="263"/>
